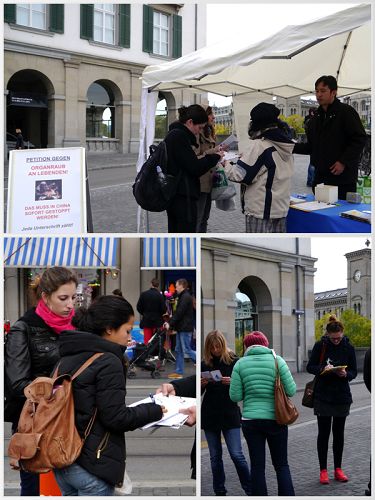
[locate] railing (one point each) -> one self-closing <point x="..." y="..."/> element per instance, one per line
<point x="102" y="144"/>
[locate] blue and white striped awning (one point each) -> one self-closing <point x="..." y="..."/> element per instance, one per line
<point x="95" y="252"/>
<point x="169" y="253"/>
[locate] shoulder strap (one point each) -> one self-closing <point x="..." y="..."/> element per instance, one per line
<point x="276" y="363"/>
<point x="82" y="368"/>
<point x="322" y="352"/>
<point x="87" y="364"/>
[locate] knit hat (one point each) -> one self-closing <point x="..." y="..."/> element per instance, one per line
<point x="255" y="338"/>
<point x="262" y="115"/>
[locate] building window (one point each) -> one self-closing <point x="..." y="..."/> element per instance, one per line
<point x="32" y="15"/>
<point x="355" y="105"/>
<point x="161" y="34"/>
<point x="104" y="23"/>
<point x="363" y="105"/>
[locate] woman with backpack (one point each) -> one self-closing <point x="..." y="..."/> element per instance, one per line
<point x="184" y="164"/>
<point x="105" y="327"/>
<point x="31" y="347"/>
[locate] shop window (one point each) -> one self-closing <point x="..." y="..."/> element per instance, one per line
<point x="106" y="23"/>
<point x="100" y="112"/>
<point x="162" y="33"/>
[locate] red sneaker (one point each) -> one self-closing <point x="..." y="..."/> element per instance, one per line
<point x="324" y="479"/>
<point x="340" y="476"/>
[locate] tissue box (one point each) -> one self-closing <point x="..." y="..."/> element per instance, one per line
<point x="326" y="193"/>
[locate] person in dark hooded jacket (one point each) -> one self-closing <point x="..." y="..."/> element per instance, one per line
<point x="332" y="396"/>
<point x="105" y="327"/>
<point x="182" y="161"/>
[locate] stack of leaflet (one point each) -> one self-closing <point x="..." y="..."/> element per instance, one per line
<point x="172" y="418"/>
<point x="357" y="215"/>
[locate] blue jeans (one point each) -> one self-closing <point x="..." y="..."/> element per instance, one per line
<point x="233" y="441"/>
<point x="77" y="481"/>
<point x="183" y="340"/>
<point x="256" y="433"/>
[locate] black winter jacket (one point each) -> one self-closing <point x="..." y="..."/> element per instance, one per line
<point x="103" y="386"/>
<point x="330" y="388"/>
<point x="218" y="411"/>
<point x="335" y="135"/>
<point x="151" y="304"/>
<point x="185" y="387"/>
<point x="184" y="315"/>
<point x="31" y="350"/>
<point x="181" y="158"/>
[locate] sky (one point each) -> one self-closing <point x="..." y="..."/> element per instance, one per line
<point x="331" y="264"/>
<point x="253" y="22"/>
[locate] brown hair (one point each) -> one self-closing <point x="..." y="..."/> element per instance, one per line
<point x="216" y="337"/>
<point x="209" y="130"/>
<point x="183" y="282"/>
<point x="334" y="325"/>
<point x="194" y="112"/>
<point x="155" y="282"/>
<point x="51" y="280"/>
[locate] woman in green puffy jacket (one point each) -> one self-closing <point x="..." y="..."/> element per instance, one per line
<point x="253" y="382"/>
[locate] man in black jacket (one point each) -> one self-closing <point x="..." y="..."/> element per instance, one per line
<point x="151" y="305"/>
<point x="335" y="139"/>
<point x="182" y="322"/>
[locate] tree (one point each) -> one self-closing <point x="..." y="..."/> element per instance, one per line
<point x="357" y="327"/>
<point x="160" y="126"/>
<point x="221" y="129"/>
<point x="295" y="122"/>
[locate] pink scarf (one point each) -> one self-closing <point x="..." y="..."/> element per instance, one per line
<point x="54" y="321"/>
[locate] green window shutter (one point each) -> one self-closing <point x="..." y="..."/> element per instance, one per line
<point x="56" y="17"/>
<point x="124" y="25"/>
<point x="177" y="36"/>
<point x="87" y="21"/>
<point x="148" y="25"/>
<point x="10" y="13"/>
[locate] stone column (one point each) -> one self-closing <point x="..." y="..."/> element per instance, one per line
<point x="123" y="121"/>
<point x="56" y="110"/>
<point x="72" y="109"/>
<point x="134" y="111"/>
<point x="308" y="337"/>
<point x="288" y="336"/>
<point x="223" y="317"/>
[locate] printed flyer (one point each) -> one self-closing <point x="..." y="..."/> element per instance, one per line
<point x="47" y="191"/>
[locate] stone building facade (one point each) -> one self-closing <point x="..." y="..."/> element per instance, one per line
<point x="276" y="275"/>
<point x="72" y="72"/>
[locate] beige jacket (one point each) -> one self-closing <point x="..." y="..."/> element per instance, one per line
<point x="206" y="143"/>
<point x="266" y="168"/>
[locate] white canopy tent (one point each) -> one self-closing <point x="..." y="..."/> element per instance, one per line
<point x="285" y="65"/>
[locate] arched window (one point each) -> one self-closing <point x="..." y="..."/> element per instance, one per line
<point x="318" y="314"/>
<point x="363" y="105"/>
<point x="246" y="319"/>
<point x="100" y="112"/>
<point x="359" y="308"/>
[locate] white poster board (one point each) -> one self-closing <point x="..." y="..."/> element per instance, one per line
<point x="47" y="191"/>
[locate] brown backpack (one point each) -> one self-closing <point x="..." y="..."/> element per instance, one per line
<point x="47" y="437"/>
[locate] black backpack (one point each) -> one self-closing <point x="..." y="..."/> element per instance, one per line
<point x="154" y="188"/>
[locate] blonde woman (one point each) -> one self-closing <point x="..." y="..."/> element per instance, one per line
<point x="220" y="416"/>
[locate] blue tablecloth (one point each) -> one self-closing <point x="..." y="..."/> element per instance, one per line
<point x="327" y="220"/>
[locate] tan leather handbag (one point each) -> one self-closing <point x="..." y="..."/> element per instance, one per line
<point x="285" y="411"/>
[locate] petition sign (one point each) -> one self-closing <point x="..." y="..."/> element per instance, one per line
<point x="47" y="191"/>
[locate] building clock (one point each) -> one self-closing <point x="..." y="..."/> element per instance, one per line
<point x="357" y="275"/>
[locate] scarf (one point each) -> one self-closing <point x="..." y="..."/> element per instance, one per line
<point x="55" y="321"/>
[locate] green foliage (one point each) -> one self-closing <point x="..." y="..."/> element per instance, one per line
<point x="221" y="129"/>
<point x="238" y="343"/>
<point x="294" y="121"/>
<point x="160" y="126"/>
<point x="357" y="327"/>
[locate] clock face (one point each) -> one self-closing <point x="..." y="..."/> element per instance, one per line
<point x="357" y="276"/>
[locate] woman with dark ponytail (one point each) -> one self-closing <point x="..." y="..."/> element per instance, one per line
<point x="31" y="348"/>
<point x="105" y="327"/>
<point x="333" y="362"/>
<point x="183" y="163"/>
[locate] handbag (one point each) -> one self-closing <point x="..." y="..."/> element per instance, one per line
<point x="222" y="188"/>
<point x="285" y="411"/>
<point x="308" y="393"/>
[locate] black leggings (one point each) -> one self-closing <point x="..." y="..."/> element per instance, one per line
<point x="324" y="430"/>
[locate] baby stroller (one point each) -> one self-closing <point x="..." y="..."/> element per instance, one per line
<point x="149" y="357"/>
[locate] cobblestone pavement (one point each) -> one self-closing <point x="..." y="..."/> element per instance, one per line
<point x="302" y="456"/>
<point x="115" y="210"/>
